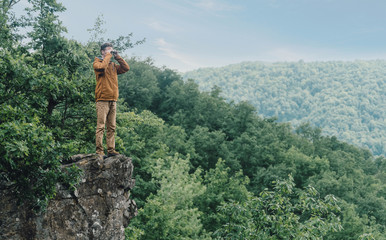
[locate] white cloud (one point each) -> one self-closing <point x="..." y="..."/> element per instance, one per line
<point x="161" y="42"/>
<point x="185" y="62"/>
<point x="160" y="26"/>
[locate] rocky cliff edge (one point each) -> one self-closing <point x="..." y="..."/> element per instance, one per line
<point x="99" y="208"/>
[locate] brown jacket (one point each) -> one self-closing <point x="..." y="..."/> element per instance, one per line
<point x="106" y="73"/>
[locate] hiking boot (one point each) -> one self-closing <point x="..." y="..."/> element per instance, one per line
<point x="101" y="154"/>
<point x="111" y="154"/>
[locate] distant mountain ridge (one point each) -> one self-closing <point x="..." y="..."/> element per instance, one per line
<point x="345" y="99"/>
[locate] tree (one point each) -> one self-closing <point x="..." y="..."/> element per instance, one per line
<point x="281" y="214"/>
<point x="30" y="162"/>
<point x="170" y="214"/>
<point x="222" y="186"/>
<point x="138" y="87"/>
<point x="30" y="147"/>
<point x="53" y="79"/>
<point x="209" y="147"/>
<point x="343" y="98"/>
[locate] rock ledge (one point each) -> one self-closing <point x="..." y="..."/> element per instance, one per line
<point x="100" y="208"/>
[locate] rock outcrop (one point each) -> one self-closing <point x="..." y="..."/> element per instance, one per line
<point x="100" y="207"/>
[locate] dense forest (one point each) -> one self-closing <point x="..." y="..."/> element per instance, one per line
<point x="205" y="168"/>
<point x="345" y="99"/>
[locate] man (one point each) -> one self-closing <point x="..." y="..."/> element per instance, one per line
<point x="106" y="96"/>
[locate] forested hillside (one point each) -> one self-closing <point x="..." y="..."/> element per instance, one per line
<point x="204" y="168"/>
<point x="345" y="99"/>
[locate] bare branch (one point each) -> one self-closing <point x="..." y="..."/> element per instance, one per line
<point x="12" y="3"/>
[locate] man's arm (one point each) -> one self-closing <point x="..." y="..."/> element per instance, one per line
<point x="123" y="66"/>
<point x="101" y="66"/>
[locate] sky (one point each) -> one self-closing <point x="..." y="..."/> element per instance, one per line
<point x="184" y="35"/>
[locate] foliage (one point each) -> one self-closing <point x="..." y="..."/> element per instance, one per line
<point x="281" y="214"/>
<point x="193" y="151"/>
<point x="346" y="99"/>
<point x="139" y="137"/>
<point x="170" y="213"/>
<point x="29" y="160"/>
<point x="221" y="186"/>
<point x="31" y="85"/>
<point x="139" y="86"/>
<point x="262" y="148"/>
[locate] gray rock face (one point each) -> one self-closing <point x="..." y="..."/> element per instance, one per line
<point x="100" y="208"/>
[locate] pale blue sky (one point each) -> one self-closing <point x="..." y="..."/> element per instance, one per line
<point x="185" y="35"/>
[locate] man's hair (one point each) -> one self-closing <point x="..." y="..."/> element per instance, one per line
<point x="106" y="45"/>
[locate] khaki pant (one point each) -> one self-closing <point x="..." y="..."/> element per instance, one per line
<point x="106" y="116"/>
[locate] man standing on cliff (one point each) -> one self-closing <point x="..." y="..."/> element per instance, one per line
<point x="106" y="96"/>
